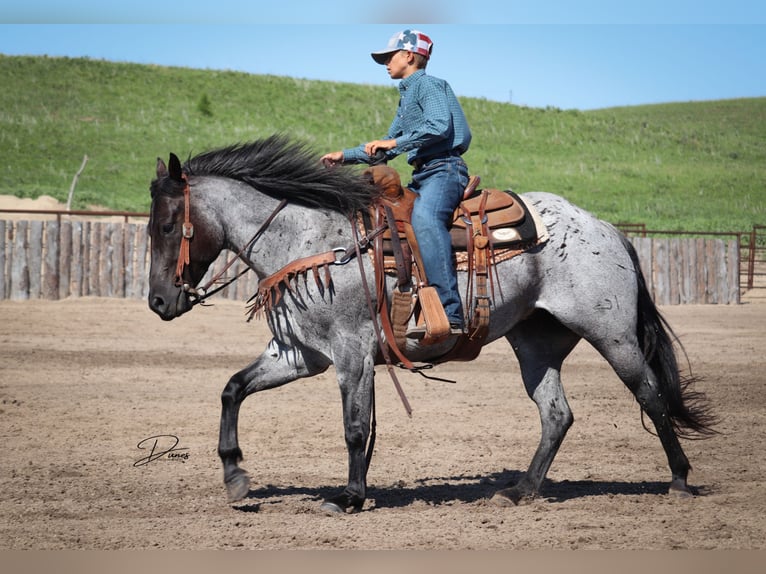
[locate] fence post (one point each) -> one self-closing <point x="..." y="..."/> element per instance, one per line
<point x="91" y="271"/>
<point x="50" y="275"/>
<point x="65" y="259"/>
<point x="141" y="278"/>
<point x="35" y="258"/>
<point x="78" y="259"/>
<point x="659" y="271"/>
<point x="19" y="264"/>
<point x="732" y="259"/>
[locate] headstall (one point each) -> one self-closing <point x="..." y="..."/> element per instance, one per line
<point x="199" y="294"/>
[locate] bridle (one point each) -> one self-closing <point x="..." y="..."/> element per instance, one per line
<point x="199" y="294"/>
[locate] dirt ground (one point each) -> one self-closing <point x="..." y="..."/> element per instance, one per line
<point x="85" y="383"/>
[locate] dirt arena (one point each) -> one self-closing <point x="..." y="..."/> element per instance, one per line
<point x="84" y="383"/>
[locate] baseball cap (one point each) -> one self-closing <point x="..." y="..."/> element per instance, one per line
<point x="410" y="40"/>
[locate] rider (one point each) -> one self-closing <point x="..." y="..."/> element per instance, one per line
<point x="431" y="128"/>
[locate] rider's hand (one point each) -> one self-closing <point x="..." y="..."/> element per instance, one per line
<point x="332" y="159"/>
<point x="378" y="145"/>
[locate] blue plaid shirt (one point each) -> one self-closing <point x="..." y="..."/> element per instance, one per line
<point x="429" y="122"/>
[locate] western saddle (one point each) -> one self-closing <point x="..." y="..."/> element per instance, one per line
<point x="489" y="225"/>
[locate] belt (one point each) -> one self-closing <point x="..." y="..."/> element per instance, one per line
<point x="419" y="162"/>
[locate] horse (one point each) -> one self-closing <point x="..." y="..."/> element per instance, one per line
<point x="271" y="201"/>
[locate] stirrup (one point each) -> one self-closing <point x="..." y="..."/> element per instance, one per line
<point x="456" y="329"/>
<point x="419" y="331"/>
<point x="416" y="332"/>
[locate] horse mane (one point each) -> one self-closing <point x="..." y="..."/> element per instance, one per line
<point x="283" y="168"/>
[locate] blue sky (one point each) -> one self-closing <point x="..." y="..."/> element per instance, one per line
<point x="584" y="54"/>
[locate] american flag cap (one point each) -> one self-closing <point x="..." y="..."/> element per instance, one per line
<point x="410" y="40"/>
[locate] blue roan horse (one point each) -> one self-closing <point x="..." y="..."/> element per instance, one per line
<point x="583" y="283"/>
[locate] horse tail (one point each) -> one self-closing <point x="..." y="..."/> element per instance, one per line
<point x="689" y="410"/>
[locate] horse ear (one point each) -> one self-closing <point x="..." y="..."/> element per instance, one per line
<point x="175" y="167"/>
<point x="162" y="170"/>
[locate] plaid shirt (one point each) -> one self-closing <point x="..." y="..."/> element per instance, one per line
<point x="429" y="122"/>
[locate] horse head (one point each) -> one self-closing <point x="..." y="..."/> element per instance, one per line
<point x="184" y="242"/>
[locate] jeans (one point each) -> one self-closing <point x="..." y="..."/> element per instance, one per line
<point x="439" y="184"/>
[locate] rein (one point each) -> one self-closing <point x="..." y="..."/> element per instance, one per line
<point x="373" y="314"/>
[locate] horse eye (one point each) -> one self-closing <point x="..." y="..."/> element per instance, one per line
<point x="167" y="228"/>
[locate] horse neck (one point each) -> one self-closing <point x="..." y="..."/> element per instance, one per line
<point x="294" y="230"/>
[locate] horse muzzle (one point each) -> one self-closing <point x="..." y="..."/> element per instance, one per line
<point x="169" y="303"/>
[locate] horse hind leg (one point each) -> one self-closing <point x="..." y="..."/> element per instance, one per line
<point x="541" y="344"/>
<point x="652" y="403"/>
<point x="653" y="394"/>
<point x="646" y="362"/>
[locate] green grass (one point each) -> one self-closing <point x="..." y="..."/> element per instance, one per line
<point x="696" y="166"/>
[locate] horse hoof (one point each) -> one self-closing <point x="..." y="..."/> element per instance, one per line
<point x="237" y="485"/>
<point x="503" y="501"/>
<point x="679" y="489"/>
<point x="331" y="508"/>
<point x="506" y="498"/>
<point x="509" y="497"/>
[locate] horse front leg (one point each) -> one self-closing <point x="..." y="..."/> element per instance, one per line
<point x="356" y="379"/>
<point x="277" y="365"/>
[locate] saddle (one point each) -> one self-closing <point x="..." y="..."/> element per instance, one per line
<point x="488" y="226"/>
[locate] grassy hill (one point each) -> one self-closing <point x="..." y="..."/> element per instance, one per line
<point x="697" y="166"/>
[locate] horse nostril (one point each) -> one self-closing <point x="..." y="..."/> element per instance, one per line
<point x="157" y="302"/>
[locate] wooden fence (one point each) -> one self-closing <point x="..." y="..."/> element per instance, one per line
<point x="59" y="259"/>
<point x="682" y="271"/>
